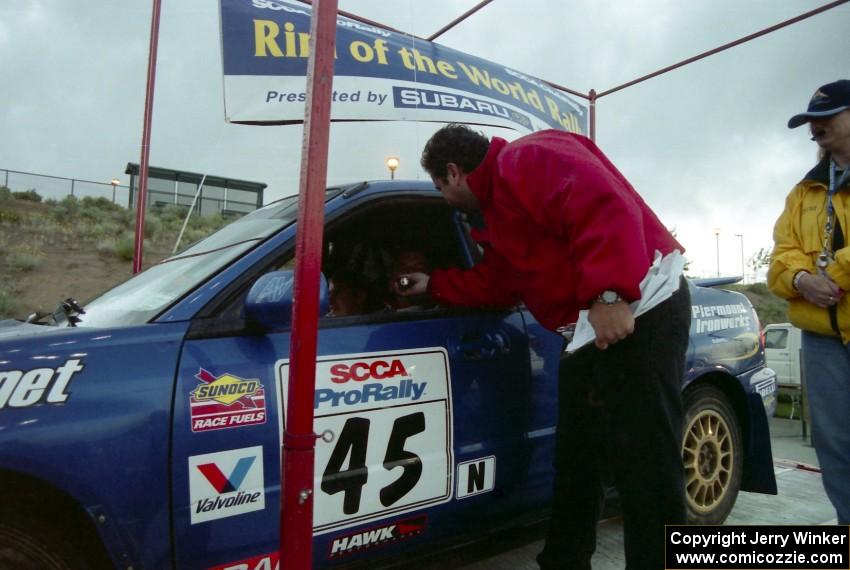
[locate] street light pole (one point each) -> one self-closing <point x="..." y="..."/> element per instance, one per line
<point x="743" y="268"/>
<point x="717" y="239"/>
<point x="115" y="182"/>
<point x="392" y="164"/>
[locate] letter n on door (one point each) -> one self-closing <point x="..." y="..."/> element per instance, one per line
<point x="476" y="477"/>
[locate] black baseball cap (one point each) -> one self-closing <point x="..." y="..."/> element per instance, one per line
<point x="827" y="101"/>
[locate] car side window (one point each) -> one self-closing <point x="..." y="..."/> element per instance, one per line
<point x="364" y="247"/>
<point x="376" y="245"/>
<point x="776" y="338"/>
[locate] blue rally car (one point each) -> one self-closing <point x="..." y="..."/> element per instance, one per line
<point x="145" y="431"/>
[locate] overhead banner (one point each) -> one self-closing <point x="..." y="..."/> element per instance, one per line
<point x="379" y="75"/>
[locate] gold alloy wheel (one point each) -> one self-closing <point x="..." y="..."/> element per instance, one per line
<point x="707" y="452"/>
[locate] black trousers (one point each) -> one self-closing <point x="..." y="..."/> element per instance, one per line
<point x="621" y="421"/>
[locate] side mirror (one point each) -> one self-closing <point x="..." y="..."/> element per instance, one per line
<point x="269" y="302"/>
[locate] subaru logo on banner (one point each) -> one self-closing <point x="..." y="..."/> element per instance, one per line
<point x="379" y="75"/>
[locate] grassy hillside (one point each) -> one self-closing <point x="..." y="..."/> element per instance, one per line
<point x="53" y="250"/>
<point x="770" y="308"/>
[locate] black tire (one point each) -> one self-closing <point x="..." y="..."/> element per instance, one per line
<point x="712" y="454"/>
<point x="25" y="545"/>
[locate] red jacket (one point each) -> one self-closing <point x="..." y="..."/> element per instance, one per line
<point x="563" y="225"/>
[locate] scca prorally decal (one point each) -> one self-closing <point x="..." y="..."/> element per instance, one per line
<point x="226" y="483"/>
<point x="25" y="388"/>
<point x="226" y="401"/>
<point x="384" y="381"/>
<point x="367" y="539"/>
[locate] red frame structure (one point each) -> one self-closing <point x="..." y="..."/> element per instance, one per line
<point x="299" y="440"/>
<point x="141" y="199"/>
<point x="296" y="500"/>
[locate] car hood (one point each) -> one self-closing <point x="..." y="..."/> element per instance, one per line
<point x="10" y="328"/>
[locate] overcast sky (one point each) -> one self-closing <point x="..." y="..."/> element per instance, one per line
<point x="706" y="145"/>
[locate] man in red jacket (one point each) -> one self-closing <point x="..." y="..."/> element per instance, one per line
<point x="565" y="231"/>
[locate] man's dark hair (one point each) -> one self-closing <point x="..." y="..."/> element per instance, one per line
<point x="454" y="143"/>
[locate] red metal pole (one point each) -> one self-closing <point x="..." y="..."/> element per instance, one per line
<point x="299" y="441"/>
<point x="565" y="89"/>
<point x="458" y="20"/>
<point x="726" y="46"/>
<point x="141" y="194"/>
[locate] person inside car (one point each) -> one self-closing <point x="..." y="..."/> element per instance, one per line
<point x="348" y="294"/>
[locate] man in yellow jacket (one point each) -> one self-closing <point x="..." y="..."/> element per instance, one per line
<point x="810" y="266"/>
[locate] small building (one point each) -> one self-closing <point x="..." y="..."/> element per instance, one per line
<point x="219" y="195"/>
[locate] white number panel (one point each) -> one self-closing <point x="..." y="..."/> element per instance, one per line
<point x="391" y="419"/>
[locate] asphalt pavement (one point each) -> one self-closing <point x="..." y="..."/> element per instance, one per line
<point x="801" y="501"/>
<point x="791" y="441"/>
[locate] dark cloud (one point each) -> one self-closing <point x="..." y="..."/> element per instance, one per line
<point x="706" y="144"/>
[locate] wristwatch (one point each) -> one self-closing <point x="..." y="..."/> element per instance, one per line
<point x="609" y="298"/>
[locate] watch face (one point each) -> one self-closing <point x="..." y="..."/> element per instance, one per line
<point x="610" y="297"/>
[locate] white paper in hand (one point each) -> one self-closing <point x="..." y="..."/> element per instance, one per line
<point x="658" y="285"/>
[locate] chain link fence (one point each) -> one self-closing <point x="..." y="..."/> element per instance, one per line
<point x="212" y="200"/>
<point x="57" y="187"/>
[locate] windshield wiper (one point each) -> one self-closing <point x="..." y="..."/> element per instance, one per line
<point x="39" y="318"/>
<point x="68" y="310"/>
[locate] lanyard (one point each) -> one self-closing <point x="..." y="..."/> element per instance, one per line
<point x="826" y="255"/>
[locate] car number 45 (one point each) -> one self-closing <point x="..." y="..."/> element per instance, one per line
<point x="390" y="414"/>
<point x="381" y="462"/>
<point x="353" y="442"/>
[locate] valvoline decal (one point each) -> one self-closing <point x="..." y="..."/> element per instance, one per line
<point x="226" y="483"/>
<point x="226" y="401"/>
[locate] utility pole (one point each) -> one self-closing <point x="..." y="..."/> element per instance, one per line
<point x="717" y="240"/>
<point x="743" y="267"/>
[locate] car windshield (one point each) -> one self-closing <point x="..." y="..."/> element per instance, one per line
<point x="147" y="294"/>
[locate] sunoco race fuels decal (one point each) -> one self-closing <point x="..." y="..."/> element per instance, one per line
<point x="226" y="483"/>
<point x="386" y="534"/>
<point x="391" y="420"/>
<point x="25" y="388"/>
<point x="226" y="401"/>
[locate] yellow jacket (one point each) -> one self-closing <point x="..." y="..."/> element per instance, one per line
<point x="798" y="239"/>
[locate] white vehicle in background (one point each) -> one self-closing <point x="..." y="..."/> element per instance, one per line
<point x="782" y="350"/>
